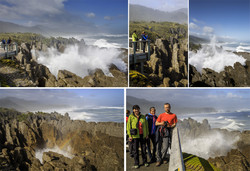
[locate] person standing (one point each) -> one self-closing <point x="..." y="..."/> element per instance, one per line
<point x="167" y="121"/>
<point x="151" y="118"/>
<point x="130" y="144"/>
<point x="3" y="43"/>
<point x="134" y="40"/>
<point x="137" y="129"/>
<point x="144" y="38"/>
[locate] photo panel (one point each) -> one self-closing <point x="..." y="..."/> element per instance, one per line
<point x="187" y="129"/>
<point x="219" y="43"/>
<point x="64" y="43"/>
<point x="158" y="43"/>
<point x="62" y="129"/>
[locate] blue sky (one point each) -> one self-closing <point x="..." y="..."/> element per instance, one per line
<point x="162" y="5"/>
<point x="221" y="99"/>
<point x="224" y="18"/>
<point x="72" y="97"/>
<point x="107" y="16"/>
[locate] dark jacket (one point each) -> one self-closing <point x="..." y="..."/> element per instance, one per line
<point x="151" y="123"/>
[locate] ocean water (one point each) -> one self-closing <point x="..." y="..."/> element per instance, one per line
<point x="94" y="114"/>
<point x="232" y="121"/>
<point x="104" y="40"/>
<point x="236" y="46"/>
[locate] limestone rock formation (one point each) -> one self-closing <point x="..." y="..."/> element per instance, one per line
<point x="236" y="76"/>
<point x="92" y="145"/>
<point x="168" y="63"/>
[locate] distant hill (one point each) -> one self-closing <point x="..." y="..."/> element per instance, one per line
<point x="26" y="105"/>
<point x="177" y="108"/>
<point x="7" y="27"/>
<point x="141" y="13"/>
<point x="197" y="40"/>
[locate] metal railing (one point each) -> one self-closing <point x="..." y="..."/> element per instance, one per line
<point x="10" y="49"/>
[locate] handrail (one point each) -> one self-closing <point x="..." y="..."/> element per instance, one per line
<point x="176" y="162"/>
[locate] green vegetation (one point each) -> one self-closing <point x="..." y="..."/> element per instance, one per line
<point x="194" y="163"/>
<point x="32" y="37"/>
<point x="163" y="30"/>
<point x="136" y="79"/>
<point x="194" y="47"/>
<point x="9" y="62"/>
<point x="24" y="116"/>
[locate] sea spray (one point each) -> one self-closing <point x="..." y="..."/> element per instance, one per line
<point x="209" y="145"/>
<point x="213" y="57"/>
<point x="82" y="60"/>
<point x="56" y="149"/>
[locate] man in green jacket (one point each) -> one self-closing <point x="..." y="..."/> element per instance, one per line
<point x="137" y="129"/>
<point x="134" y="39"/>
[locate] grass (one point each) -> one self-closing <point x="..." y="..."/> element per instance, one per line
<point x="136" y="79"/>
<point x="24" y="116"/>
<point x="9" y="62"/>
<point x="194" y="163"/>
<point x="3" y="82"/>
<point x="155" y="30"/>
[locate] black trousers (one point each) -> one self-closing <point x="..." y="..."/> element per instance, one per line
<point x="143" y="46"/>
<point x="142" y="142"/>
<point x="152" y="139"/>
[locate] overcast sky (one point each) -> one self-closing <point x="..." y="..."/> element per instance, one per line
<point x="73" y="97"/>
<point x="162" y="5"/>
<point x="81" y="15"/>
<point x="220" y="99"/>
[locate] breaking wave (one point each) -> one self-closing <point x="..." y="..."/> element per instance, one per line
<point x="82" y="60"/>
<point x="213" y="57"/>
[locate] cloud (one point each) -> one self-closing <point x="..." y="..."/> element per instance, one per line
<point x="194" y="26"/>
<point x="90" y="15"/>
<point x="163" y="5"/>
<point x="208" y="29"/>
<point x="107" y="18"/>
<point x="231" y="95"/>
<point x="48" y="13"/>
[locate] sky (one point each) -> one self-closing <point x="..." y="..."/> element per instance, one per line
<point x="220" y="99"/>
<point x="162" y="5"/>
<point x="88" y="16"/>
<point x="73" y="97"/>
<point x="227" y="19"/>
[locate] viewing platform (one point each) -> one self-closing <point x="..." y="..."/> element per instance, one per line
<point x="8" y="50"/>
<point x="136" y="55"/>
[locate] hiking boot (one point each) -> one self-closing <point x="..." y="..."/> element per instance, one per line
<point x="135" y="167"/>
<point x="146" y="164"/>
<point x="158" y="164"/>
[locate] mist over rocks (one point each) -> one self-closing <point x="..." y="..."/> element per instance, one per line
<point x="227" y="150"/>
<point x="92" y="145"/>
<point x="40" y="61"/>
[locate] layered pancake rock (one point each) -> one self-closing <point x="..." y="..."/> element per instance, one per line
<point x="64" y="143"/>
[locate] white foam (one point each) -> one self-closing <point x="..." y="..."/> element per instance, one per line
<point x="211" y="145"/>
<point x="243" y="49"/>
<point x="210" y="56"/>
<point x="233" y="125"/>
<point x="82" y="60"/>
<point x="104" y="43"/>
<point x="56" y="149"/>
